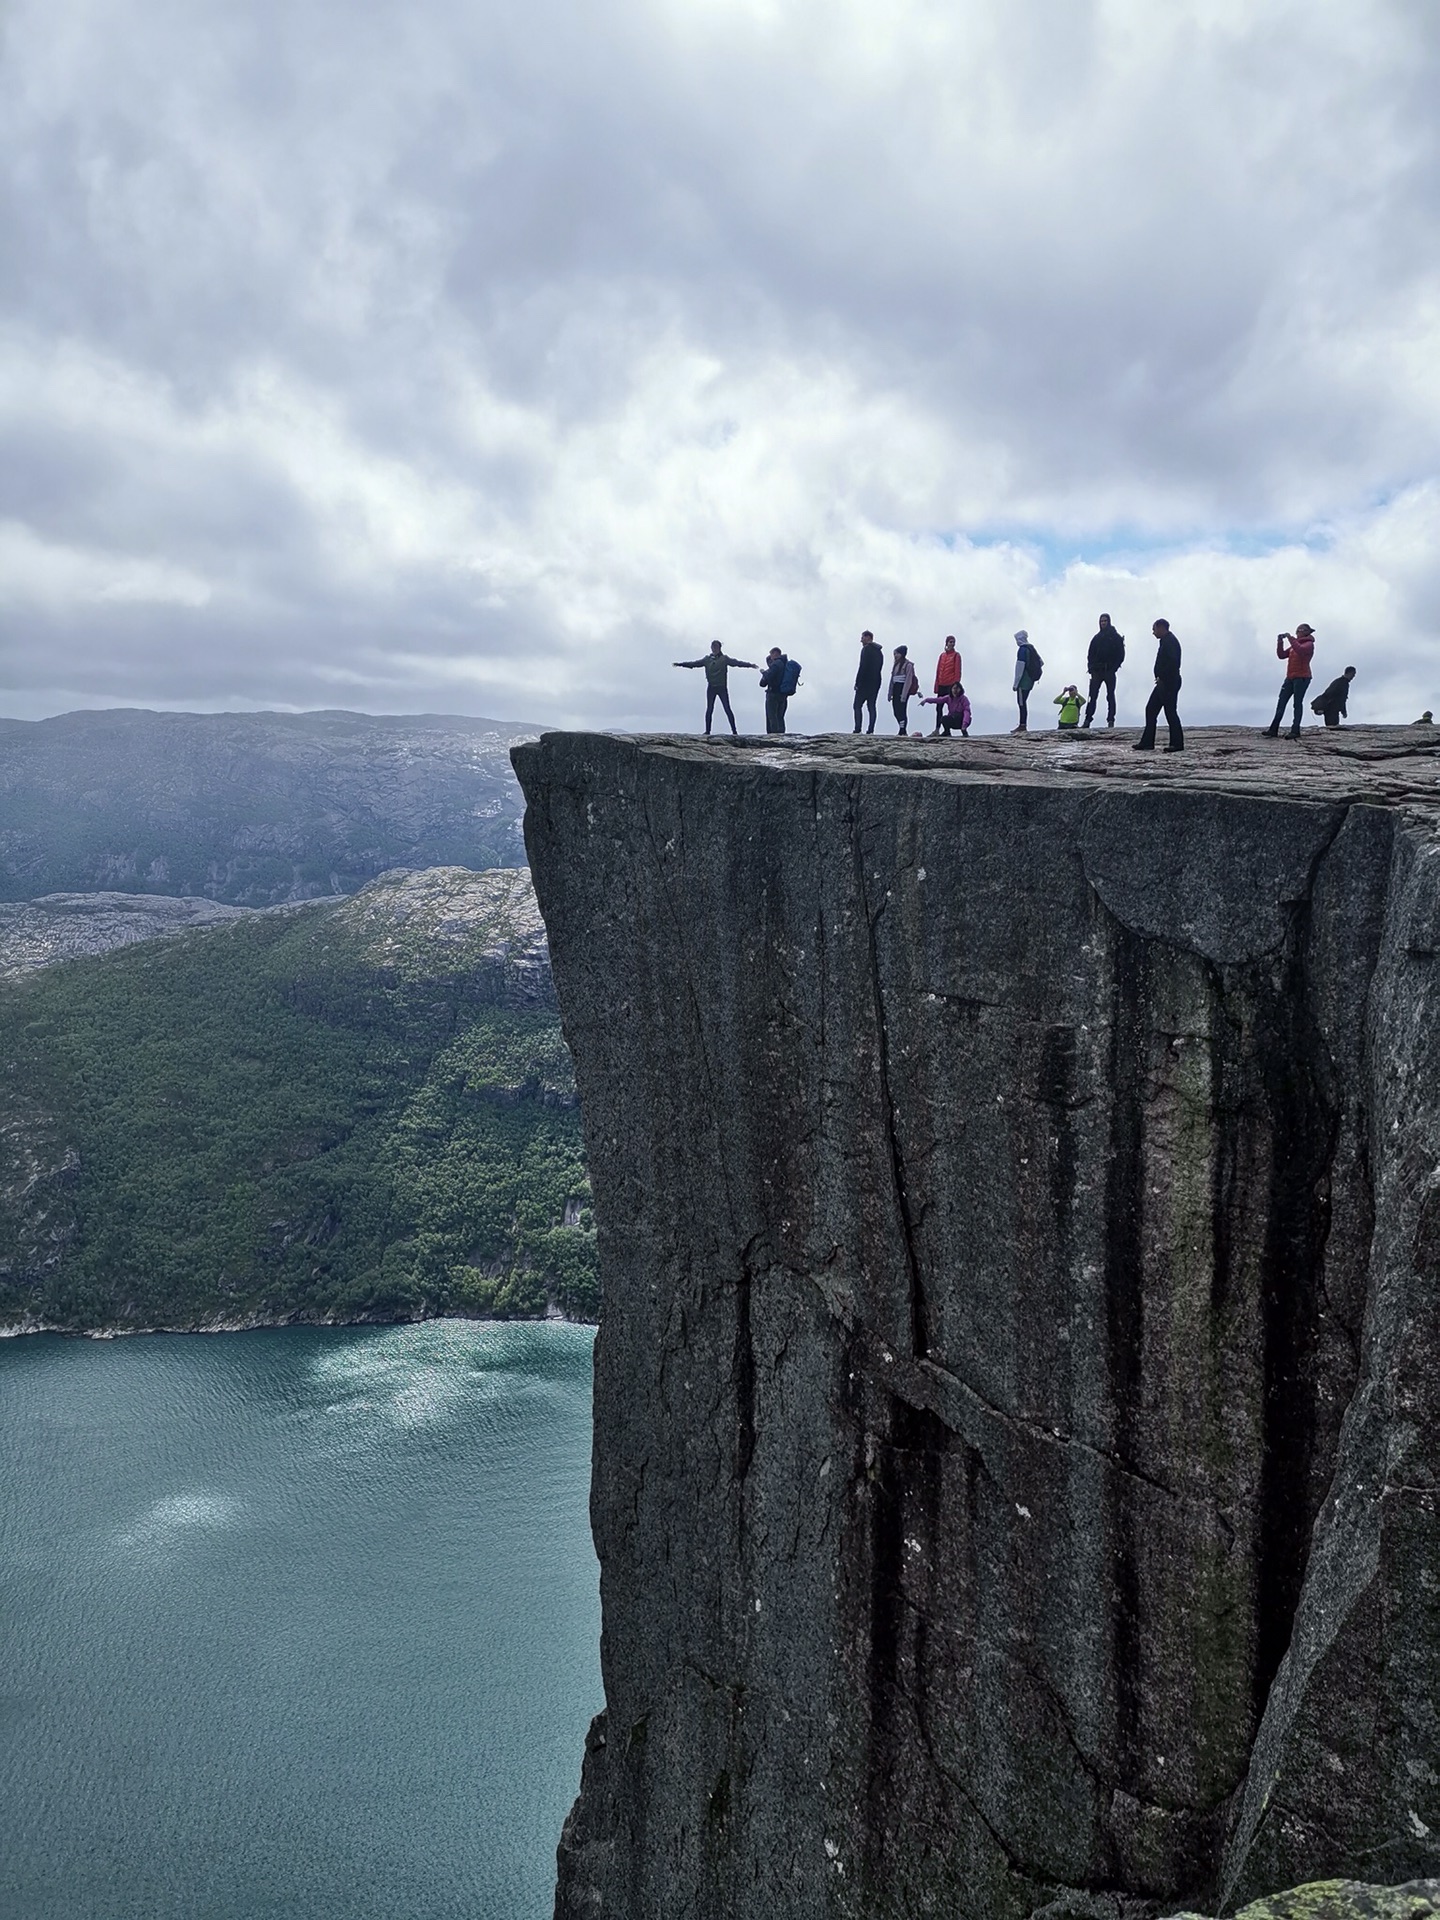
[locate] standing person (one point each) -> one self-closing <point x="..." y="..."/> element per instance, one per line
<point x="1028" y="667"/>
<point x="1295" y="650"/>
<point x="776" y="698"/>
<point x="904" y="685"/>
<point x="717" y="664"/>
<point x="1331" y="703"/>
<point x="868" y="677"/>
<point x="1103" y="662"/>
<point x="1069" y="705"/>
<point x="947" y="673"/>
<point x="1167" y="689"/>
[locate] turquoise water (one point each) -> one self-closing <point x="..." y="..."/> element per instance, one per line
<point x="296" y="1623"/>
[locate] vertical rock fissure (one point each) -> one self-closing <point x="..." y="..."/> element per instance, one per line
<point x="919" y="1314"/>
<point x="907" y="1467"/>
<point x="1124" y="1318"/>
<point x="1305" y="1128"/>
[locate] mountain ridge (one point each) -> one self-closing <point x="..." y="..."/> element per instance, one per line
<point x="250" y="809"/>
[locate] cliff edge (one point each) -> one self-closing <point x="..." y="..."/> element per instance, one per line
<point x="1018" y="1164"/>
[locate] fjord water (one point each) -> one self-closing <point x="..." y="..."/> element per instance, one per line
<point x="296" y="1623"/>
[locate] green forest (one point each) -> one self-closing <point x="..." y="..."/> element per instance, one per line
<point x="312" y="1114"/>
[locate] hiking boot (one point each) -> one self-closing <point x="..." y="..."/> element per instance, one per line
<point x="1142" y="746"/>
<point x="1019" y="729"/>
<point x="1270" y="733"/>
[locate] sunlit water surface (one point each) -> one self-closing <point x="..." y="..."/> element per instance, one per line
<point x="296" y="1623"/>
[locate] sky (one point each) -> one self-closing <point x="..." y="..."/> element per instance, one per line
<point x="455" y="356"/>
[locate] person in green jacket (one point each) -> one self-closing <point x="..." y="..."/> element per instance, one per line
<point x="1069" y="703"/>
<point x="717" y="664"/>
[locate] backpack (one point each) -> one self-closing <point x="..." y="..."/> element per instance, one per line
<point x="790" y="678"/>
<point x="1037" y="665"/>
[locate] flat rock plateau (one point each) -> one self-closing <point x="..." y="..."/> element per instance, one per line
<point x="1018" y="1394"/>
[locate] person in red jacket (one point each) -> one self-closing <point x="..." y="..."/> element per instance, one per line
<point x="947" y="674"/>
<point x="1295" y="650"/>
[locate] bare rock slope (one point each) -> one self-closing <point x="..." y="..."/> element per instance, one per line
<point x="73" y="926"/>
<point x="1018" y="1398"/>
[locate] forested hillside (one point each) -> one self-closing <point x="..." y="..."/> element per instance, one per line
<point x="249" y="808"/>
<point x="348" y="1110"/>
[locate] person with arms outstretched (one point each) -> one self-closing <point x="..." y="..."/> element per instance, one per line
<point x="717" y="664"/>
<point x="868" y="677"/>
<point x="1103" y="662"/>
<point x="1295" y="649"/>
<point x="1166" y="692"/>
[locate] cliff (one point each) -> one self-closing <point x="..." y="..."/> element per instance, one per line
<point x="1016" y="1401"/>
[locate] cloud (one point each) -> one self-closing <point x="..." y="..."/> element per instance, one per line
<point x="422" y="357"/>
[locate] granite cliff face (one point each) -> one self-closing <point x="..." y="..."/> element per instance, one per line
<point x="1016" y="1439"/>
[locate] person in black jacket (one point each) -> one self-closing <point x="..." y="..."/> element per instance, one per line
<point x="776" y="698"/>
<point x="868" y="678"/>
<point x="1104" y="661"/>
<point x="1167" y="689"/>
<point x="1331" y="703"/>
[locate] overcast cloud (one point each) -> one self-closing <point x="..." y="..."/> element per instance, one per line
<point x="483" y="358"/>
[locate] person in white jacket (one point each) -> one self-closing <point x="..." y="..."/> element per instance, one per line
<point x="904" y="685"/>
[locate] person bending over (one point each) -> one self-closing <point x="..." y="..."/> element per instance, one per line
<point x="1331" y="703"/>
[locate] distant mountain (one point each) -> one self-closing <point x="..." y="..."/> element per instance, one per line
<point x="354" y="1109"/>
<point x="250" y="808"/>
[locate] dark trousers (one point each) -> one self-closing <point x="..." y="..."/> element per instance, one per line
<point x="1098" y="680"/>
<point x="865" y="701"/>
<point x="775" y="705"/>
<point x="1022" y="696"/>
<point x="712" y="695"/>
<point x="1295" y="690"/>
<point x="897" y="707"/>
<point x="1332" y="719"/>
<point x="1166" y="693"/>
